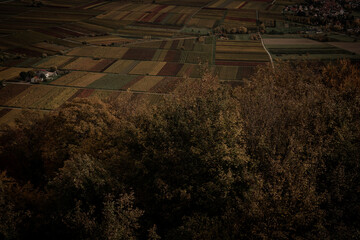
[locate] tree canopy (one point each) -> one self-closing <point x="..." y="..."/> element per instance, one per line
<point x="277" y="158"/>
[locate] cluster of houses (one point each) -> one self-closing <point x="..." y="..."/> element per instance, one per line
<point x="336" y="14"/>
<point x="38" y="76"/>
<point x="43" y="75"/>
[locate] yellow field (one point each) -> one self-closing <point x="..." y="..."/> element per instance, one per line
<point x="146" y="83"/>
<point x="147" y="68"/>
<point x="54" y="98"/>
<point x="242" y="13"/>
<point x="112" y="15"/>
<point x="12" y="72"/>
<point x="160" y="55"/>
<point x="183" y="70"/>
<point x="102" y="94"/>
<point x="83" y="64"/>
<point x="206" y="23"/>
<point x="30" y="96"/>
<point x="228" y="72"/>
<point x="9" y="118"/>
<point x="168" y="44"/>
<point x="78" y="79"/>
<point x="54" y="61"/>
<point x="87" y="79"/>
<point x="235" y="4"/>
<point x="217" y="3"/>
<point x="121" y="66"/>
<point x="113" y="6"/>
<point x="68" y="78"/>
<point x="133" y="16"/>
<point x="99" y="52"/>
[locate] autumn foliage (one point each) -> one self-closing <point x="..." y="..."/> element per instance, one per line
<point x="277" y="158"/>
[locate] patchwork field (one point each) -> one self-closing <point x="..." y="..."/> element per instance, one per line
<point x="104" y="48"/>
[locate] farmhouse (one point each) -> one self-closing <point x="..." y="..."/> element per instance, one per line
<point x="43" y="75"/>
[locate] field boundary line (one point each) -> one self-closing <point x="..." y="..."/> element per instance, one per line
<point x="27" y="108"/>
<point x="262" y="42"/>
<point x="114" y="90"/>
<point x="157" y="40"/>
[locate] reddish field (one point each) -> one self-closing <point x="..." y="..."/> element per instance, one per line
<point x="4" y="111"/>
<point x="61" y="32"/>
<point x="132" y="82"/>
<point x="13" y="63"/>
<point x="27" y="52"/>
<point x="174" y="44"/>
<point x="85" y="93"/>
<point x="170" y="69"/>
<point x="139" y="54"/>
<point x="161" y="18"/>
<point x="103" y="65"/>
<point x="11" y="91"/>
<point x="245" y="72"/>
<point x="167" y="85"/>
<point x="172" y="56"/>
<point x="75" y="95"/>
<point x="163" y="43"/>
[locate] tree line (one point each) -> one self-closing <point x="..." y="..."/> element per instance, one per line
<point x="277" y="158"/>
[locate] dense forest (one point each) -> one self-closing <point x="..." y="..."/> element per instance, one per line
<point x="277" y="158"/>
